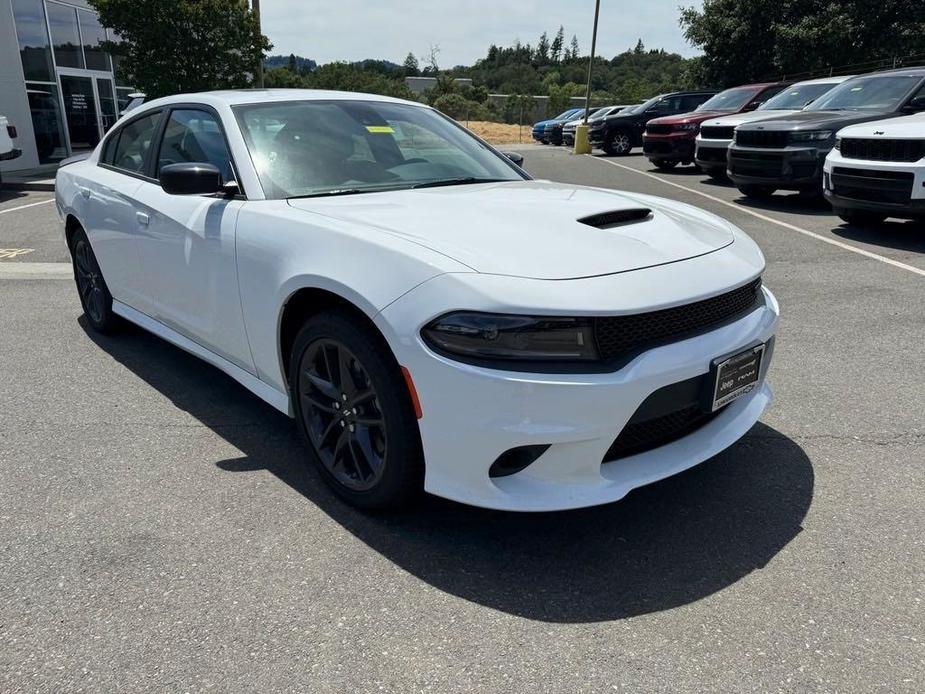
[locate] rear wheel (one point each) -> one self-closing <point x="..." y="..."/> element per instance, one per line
<point x="757" y="192"/>
<point x="91" y="287"/>
<point x="861" y="218"/>
<point x="619" y="144"/>
<point x="353" y="407"/>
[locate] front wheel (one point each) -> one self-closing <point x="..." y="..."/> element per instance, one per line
<point x="665" y="165"/>
<point x="861" y="218"/>
<point x="355" y="412"/>
<point x="619" y="144"/>
<point x="91" y="287"/>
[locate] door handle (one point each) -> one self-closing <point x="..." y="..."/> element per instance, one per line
<point x="85" y="192"/>
<point x="142" y="218"/>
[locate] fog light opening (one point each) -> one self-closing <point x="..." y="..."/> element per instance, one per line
<point x="514" y="460"/>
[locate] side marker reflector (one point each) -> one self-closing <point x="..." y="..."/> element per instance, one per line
<point x="412" y="391"/>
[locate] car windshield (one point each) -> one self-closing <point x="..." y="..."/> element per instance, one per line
<point x="729" y="100"/>
<point x="644" y="105"/>
<point x="313" y="148"/>
<point x="796" y="97"/>
<point x="881" y="93"/>
<point x="566" y="114"/>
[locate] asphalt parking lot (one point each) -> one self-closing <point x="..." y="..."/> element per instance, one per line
<point x="158" y="530"/>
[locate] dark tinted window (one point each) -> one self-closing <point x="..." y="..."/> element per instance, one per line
<point x="692" y="101"/>
<point x="64" y="35"/>
<point x="194" y="136"/>
<point x="131" y="144"/>
<point x="34" y="48"/>
<point x="93" y="34"/>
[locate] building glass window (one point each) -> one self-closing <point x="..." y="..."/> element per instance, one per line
<point x="34" y="47"/>
<point x="64" y="35"/>
<point x="47" y="122"/>
<point x="93" y="34"/>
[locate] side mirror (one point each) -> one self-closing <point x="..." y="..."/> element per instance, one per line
<point x="916" y="104"/>
<point x="191" y="178"/>
<point x="515" y="157"/>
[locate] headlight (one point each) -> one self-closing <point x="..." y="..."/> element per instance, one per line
<point x="811" y="136"/>
<point x="687" y="126"/>
<point x="488" y="337"/>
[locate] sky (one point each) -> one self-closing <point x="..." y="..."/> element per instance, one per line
<point x="463" y="29"/>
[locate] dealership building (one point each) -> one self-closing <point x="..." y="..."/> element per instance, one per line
<point x="57" y="85"/>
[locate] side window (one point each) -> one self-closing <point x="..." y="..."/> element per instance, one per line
<point x="194" y="136"/>
<point x="693" y="101"/>
<point x="129" y="147"/>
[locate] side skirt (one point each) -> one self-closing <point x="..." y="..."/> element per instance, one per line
<point x="262" y="390"/>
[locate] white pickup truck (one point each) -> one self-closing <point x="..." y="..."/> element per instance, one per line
<point x="8" y="148"/>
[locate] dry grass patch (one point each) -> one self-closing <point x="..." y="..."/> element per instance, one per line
<point x="499" y="133"/>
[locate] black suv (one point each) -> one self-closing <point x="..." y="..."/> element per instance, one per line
<point x="788" y="153"/>
<point x="619" y="133"/>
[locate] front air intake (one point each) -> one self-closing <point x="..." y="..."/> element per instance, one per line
<point x="603" y="220"/>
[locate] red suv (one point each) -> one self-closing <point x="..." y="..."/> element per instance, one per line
<point x="669" y="141"/>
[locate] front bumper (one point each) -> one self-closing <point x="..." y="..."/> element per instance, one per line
<point x="471" y="415"/>
<point x="596" y="137"/>
<point x="790" y="168"/>
<point x="896" y="189"/>
<point x="671" y="147"/>
<point x="710" y="155"/>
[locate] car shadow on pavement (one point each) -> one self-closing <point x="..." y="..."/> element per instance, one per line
<point x="901" y="236"/>
<point x="792" y="203"/>
<point x="7" y="194"/>
<point x="663" y="546"/>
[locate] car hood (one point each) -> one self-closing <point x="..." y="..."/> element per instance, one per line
<point x="749" y="117"/>
<point x="531" y="229"/>
<point x="692" y="117"/>
<point x="905" y="127"/>
<point x="817" y="120"/>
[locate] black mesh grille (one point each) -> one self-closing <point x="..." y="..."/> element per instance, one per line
<point x="605" y="219"/>
<point x="882" y="150"/>
<point x="893" y="187"/>
<point x="762" y="138"/>
<point x="716" y="154"/>
<point x="620" y="337"/>
<point x="658" y="129"/>
<point x="717" y="132"/>
<point x="638" y="437"/>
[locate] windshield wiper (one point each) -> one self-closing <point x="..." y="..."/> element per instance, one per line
<point x="457" y="182"/>
<point x="331" y="193"/>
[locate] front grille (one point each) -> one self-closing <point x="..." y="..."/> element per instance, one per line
<point x="638" y="437"/>
<point x="882" y="150"/>
<point x="622" y="337"/>
<point x="762" y="138"/>
<point x="658" y="129"/>
<point x="717" y="132"/>
<point x="893" y="187"/>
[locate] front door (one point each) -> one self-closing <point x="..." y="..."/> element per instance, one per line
<point x="80" y="112"/>
<point x="187" y="243"/>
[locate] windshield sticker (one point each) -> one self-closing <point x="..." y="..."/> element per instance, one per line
<point x="380" y="129"/>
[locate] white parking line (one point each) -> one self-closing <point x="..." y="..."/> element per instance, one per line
<point x="22" y="207"/>
<point x="765" y="218"/>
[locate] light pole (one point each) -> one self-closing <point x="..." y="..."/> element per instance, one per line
<point x="582" y="145"/>
<point x="255" y="6"/>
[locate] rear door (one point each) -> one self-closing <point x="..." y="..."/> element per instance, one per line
<point x="187" y="242"/>
<point x="111" y="222"/>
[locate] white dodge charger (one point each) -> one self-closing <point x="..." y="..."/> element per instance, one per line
<point x="431" y="316"/>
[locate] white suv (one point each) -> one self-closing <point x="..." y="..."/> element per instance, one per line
<point x="716" y="135"/>
<point x="877" y="170"/>
<point x="8" y="148"/>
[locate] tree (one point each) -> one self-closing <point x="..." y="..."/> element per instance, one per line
<point x="542" y="50"/>
<point x="213" y="44"/>
<point x="411" y="66"/>
<point x="747" y="40"/>
<point x="576" y="54"/>
<point x="557" y="43"/>
<point x="293" y="65"/>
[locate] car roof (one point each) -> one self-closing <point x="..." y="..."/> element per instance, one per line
<point x="234" y="97"/>
<point x="834" y="79"/>
<point x="915" y="71"/>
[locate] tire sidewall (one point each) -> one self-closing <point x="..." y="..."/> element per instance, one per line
<point x="109" y="320"/>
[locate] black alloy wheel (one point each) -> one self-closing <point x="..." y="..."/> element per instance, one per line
<point x="620" y="144"/>
<point x="355" y="411"/>
<point x="91" y="287"/>
<point x="340" y="409"/>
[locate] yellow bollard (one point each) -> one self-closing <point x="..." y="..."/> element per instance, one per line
<point x="582" y="145"/>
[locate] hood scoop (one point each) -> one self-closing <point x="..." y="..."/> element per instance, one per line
<point x="605" y="220"/>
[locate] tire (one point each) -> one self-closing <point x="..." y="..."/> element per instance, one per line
<point x="861" y="218"/>
<point x="95" y="298"/>
<point x="360" y="430"/>
<point x="716" y="174"/>
<point x="757" y="192"/>
<point x="664" y="165"/>
<point x="619" y="144"/>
